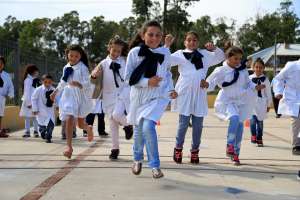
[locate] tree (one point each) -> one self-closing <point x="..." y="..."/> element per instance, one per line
<point x="31" y="36"/>
<point x="205" y="29"/>
<point x="11" y="29"/>
<point x="141" y="8"/>
<point x="283" y="23"/>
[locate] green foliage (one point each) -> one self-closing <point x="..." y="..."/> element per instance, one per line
<point x="282" y="24"/>
<point x="51" y="36"/>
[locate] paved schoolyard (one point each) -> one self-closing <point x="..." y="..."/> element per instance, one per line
<point x="32" y="169"/>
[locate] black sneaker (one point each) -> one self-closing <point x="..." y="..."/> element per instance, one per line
<point x="177" y="155"/>
<point x="26" y="135"/>
<point x="128" y="132"/>
<point x="43" y="136"/>
<point x="63" y="137"/>
<point x="103" y="134"/>
<point x="48" y="141"/>
<point x="36" y="134"/>
<point x="84" y="133"/>
<point x="195" y="156"/>
<point x="260" y="143"/>
<point x="296" y="151"/>
<point x="114" y="154"/>
<point x="298" y="176"/>
<point x="137" y="168"/>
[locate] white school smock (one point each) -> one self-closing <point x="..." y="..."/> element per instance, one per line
<point x="236" y="99"/>
<point x="75" y="101"/>
<point x="39" y="100"/>
<point x="6" y="91"/>
<point x="148" y="102"/>
<point x="110" y="93"/>
<point x="192" y="99"/>
<point x="97" y="109"/>
<point x="287" y="84"/>
<point x="26" y="99"/>
<point x="262" y="103"/>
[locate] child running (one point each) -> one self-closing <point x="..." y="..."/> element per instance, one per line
<point x="75" y="101"/>
<point x="31" y="82"/>
<point x="6" y="91"/>
<point x="235" y="99"/>
<point x="148" y="74"/>
<point x="263" y="102"/>
<point x="43" y="108"/>
<point x="286" y="87"/>
<point x="193" y="64"/>
<point x="115" y="91"/>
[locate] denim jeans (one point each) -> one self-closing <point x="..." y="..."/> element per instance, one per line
<point x="197" y="124"/>
<point x="256" y="127"/>
<point x="235" y="133"/>
<point x="27" y="124"/>
<point x="46" y="131"/>
<point x="145" y="134"/>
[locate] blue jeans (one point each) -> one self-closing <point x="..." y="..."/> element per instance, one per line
<point x="145" y="134"/>
<point x="256" y="127"/>
<point x="235" y="133"/>
<point x="27" y="124"/>
<point x="197" y="124"/>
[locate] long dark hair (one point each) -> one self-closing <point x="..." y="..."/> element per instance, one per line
<point x="259" y="60"/>
<point x="30" y="69"/>
<point x="234" y="50"/>
<point x="118" y="41"/>
<point x="137" y="39"/>
<point x="2" y="59"/>
<point x="83" y="54"/>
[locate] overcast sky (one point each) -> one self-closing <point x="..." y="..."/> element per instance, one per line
<point x="116" y="10"/>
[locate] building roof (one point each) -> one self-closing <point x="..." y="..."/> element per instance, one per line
<point x="282" y="50"/>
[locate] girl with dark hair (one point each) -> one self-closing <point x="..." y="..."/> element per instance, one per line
<point x="75" y="102"/>
<point x="115" y="91"/>
<point x="263" y="101"/>
<point x="191" y="103"/>
<point x="148" y="74"/>
<point x="235" y="99"/>
<point x="6" y="91"/>
<point x="31" y="82"/>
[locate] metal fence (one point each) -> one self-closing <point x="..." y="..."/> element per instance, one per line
<point x="17" y="59"/>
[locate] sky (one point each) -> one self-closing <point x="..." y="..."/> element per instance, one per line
<point x="116" y="10"/>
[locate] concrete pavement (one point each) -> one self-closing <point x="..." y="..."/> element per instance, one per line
<point x="33" y="169"/>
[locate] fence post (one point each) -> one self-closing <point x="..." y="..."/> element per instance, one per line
<point x="17" y="74"/>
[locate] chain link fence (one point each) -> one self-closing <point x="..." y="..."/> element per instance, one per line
<point x="17" y="59"/>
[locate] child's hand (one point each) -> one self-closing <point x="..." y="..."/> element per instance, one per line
<point x="210" y="46"/>
<point x="268" y="109"/>
<point x="52" y="96"/>
<point x="96" y="72"/>
<point x="173" y="94"/>
<point x="169" y="39"/>
<point x="154" y="81"/>
<point x="260" y="87"/>
<point x="35" y="113"/>
<point x="279" y="96"/>
<point x="76" y="84"/>
<point x="204" y="84"/>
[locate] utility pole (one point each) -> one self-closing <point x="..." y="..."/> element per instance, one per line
<point x="275" y="55"/>
<point x="165" y="13"/>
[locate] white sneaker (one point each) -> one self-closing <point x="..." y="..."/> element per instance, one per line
<point x="157" y="173"/>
